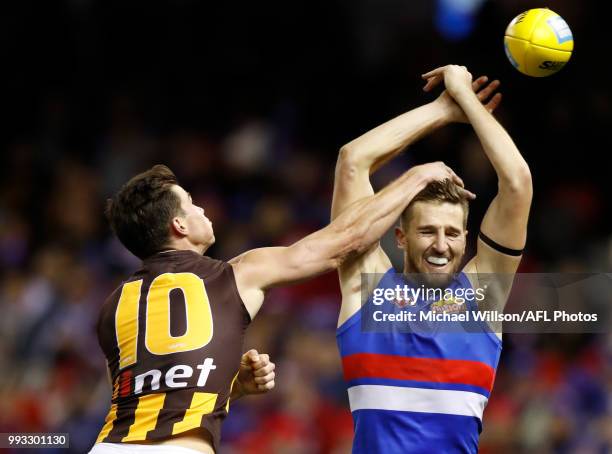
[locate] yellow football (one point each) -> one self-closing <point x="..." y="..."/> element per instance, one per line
<point x="538" y="42"/>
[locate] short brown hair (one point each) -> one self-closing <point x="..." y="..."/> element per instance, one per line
<point x="141" y="211"/>
<point x="438" y="191"/>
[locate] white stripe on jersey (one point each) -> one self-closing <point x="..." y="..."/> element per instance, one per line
<point x="450" y="402"/>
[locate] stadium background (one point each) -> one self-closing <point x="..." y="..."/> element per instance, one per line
<point x="249" y="104"/>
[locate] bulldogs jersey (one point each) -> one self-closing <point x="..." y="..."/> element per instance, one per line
<point x="417" y="391"/>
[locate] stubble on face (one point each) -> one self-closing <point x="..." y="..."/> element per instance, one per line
<point x="428" y="222"/>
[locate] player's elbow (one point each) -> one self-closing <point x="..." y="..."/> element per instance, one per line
<point x="348" y="163"/>
<point x="519" y="184"/>
<point x="347" y="151"/>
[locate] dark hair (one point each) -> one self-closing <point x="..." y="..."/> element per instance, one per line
<point x="438" y="191"/>
<point x="141" y="211"/>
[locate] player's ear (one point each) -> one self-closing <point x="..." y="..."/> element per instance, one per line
<point x="178" y="226"/>
<point x="400" y="238"/>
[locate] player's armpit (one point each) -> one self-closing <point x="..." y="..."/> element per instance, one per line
<point x="351" y="183"/>
<point x="248" y="273"/>
<point x="360" y="274"/>
<point x="260" y="269"/>
<point x="373" y="261"/>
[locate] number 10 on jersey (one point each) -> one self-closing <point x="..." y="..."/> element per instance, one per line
<point x="158" y="339"/>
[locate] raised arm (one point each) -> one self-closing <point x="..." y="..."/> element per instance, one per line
<point x="350" y="233"/>
<point x="361" y="157"/>
<point x="364" y="155"/>
<point x="505" y="222"/>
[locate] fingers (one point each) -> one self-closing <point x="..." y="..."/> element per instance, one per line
<point x="468" y="194"/>
<point x="454" y="177"/>
<point x="488" y="90"/>
<point x="440" y="71"/>
<point x="459" y="182"/>
<point x="250" y="357"/>
<point x="433" y="78"/>
<point x="484" y="93"/>
<point x="479" y="83"/>
<point x="259" y="364"/>
<point x="263" y="368"/>
<point x="446" y="173"/>
<point x="494" y="102"/>
<point x="263" y="373"/>
<point x="435" y="72"/>
<point x="432" y="82"/>
<point x="265" y="378"/>
<point x="267" y="386"/>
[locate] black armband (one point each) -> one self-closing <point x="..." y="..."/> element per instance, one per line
<point x="498" y="247"/>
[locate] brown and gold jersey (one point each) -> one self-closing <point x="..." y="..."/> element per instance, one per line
<point x="172" y="335"/>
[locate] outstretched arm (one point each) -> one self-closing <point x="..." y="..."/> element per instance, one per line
<point x="350" y="233"/>
<point x="505" y="221"/>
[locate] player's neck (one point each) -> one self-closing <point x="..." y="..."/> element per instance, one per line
<point x="185" y="245"/>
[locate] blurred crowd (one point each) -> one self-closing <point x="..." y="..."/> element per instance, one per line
<point x="257" y="147"/>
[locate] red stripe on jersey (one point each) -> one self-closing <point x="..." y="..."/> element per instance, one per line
<point x="125" y="386"/>
<point x="373" y="365"/>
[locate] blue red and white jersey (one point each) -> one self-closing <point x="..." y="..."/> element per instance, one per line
<point x="417" y="391"/>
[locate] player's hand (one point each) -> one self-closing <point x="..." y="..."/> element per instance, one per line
<point x="483" y="91"/>
<point x="438" y="171"/>
<point x="256" y="374"/>
<point x="457" y="79"/>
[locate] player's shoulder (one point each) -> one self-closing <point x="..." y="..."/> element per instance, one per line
<point x="209" y="267"/>
<point x="209" y="262"/>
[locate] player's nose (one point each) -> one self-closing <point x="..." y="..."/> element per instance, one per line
<point x="440" y="246"/>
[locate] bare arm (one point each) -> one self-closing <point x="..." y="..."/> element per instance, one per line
<point x="505" y="221"/>
<point x="352" y="232"/>
<point x="363" y="156"/>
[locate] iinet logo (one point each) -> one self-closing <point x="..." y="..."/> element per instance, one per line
<point x="177" y="376"/>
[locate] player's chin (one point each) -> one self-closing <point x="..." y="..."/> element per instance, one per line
<point x="438" y="279"/>
<point x="436" y="275"/>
